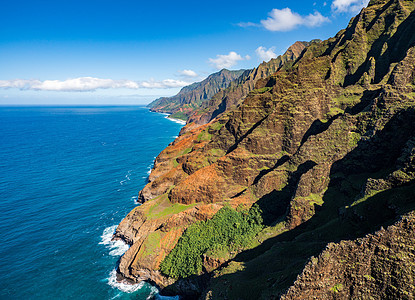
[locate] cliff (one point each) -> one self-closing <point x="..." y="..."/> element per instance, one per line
<point x="323" y="148"/>
<point x="240" y="87"/>
<point x="192" y="96"/>
<point x="378" y="266"/>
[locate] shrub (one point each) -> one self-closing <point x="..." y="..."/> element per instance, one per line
<point x="228" y="228"/>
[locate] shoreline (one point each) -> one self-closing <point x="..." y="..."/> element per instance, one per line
<point x="179" y="121"/>
<point x="182" y="122"/>
<point x="123" y="283"/>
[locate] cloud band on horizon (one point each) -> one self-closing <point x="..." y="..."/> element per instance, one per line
<point x="88" y="84"/>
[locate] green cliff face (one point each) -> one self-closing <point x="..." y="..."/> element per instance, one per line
<point x="325" y="149"/>
<point x="192" y="96"/>
<point x="378" y="266"/>
<point x="238" y="89"/>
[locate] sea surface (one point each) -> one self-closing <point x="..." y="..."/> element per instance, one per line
<point x="68" y="175"/>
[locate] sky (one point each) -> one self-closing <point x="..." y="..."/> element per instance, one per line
<point x="129" y="52"/>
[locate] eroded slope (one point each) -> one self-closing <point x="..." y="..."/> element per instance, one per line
<point x="324" y="146"/>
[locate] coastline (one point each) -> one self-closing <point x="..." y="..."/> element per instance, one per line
<point x="167" y="116"/>
<point x="111" y="166"/>
<point x="182" y="122"/>
<point x="117" y="279"/>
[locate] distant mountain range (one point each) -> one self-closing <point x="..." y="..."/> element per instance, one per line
<point x="202" y="101"/>
<point x="192" y="96"/>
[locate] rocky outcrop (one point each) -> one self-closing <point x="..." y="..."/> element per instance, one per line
<point x="152" y="230"/>
<point x="324" y="146"/>
<point x="378" y="266"/>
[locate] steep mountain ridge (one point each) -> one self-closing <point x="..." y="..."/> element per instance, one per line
<point x="202" y="101"/>
<point x="240" y="88"/>
<point x="192" y="96"/>
<point x="227" y="99"/>
<point x="324" y="147"/>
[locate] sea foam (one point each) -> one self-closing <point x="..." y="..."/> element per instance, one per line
<point x="125" y="287"/>
<point x="150" y="167"/>
<point x="181" y="122"/>
<point x="135" y="199"/>
<point x="117" y="247"/>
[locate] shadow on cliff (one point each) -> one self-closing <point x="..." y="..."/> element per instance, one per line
<point x="396" y="46"/>
<point x="274" y="264"/>
<point x="271" y="209"/>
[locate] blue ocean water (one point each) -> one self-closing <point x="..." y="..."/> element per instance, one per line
<point x="68" y="175"/>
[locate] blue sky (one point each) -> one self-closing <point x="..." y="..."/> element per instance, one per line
<point x="131" y="52"/>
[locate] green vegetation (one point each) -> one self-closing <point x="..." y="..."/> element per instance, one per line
<point x="315" y="199"/>
<point x="175" y="163"/>
<point x="172" y="210"/>
<point x="191" y="98"/>
<point x="354" y="138"/>
<point x="204" y="136"/>
<point x="216" y="126"/>
<point x="179" y="115"/>
<point x="354" y="166"/>
<point x="217" y="152"/>
<point x="163" y="207"/>
<point x="228" y="229"/>
<point x="152" y="243"/>
<point x="219" y="251"/>
<point x="261" y="90"/>
<point x="337" y="288"/>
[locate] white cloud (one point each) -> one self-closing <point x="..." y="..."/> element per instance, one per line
<point x="282" y="20"/>
<point x="286" y="20"/>
<point x="87" y="84"/>
<point x="248" y="24"/>
<point x="315" y="20"/>
<point x="165" y="84"/>
<point x="226" y="61"/>
<point x="352" y="6"/>
<point x="83" y="84"/>
<point x="188" y="73"/>
<point x="265" y="54"/>
<point x="18" y="83"/>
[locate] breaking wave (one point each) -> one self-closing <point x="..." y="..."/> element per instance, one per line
<point x="178" y="121"/>
<point x="125" y="287"/>
<point x="117" y="247"/>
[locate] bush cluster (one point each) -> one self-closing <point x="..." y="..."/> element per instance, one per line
<point x="228" y="228"/>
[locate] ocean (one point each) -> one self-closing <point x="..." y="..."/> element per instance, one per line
<point x="68" y="175"/>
